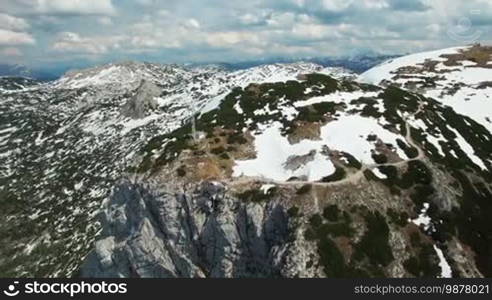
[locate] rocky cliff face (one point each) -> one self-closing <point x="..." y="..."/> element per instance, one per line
<point x="249" y="229"/>
<point x="199" y="232"/>
<point x="142" y="101"/>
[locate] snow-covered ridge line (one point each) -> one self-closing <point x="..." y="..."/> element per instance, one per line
<point x="386" y="70"/>
<point x="128" y="72"/>
<point x="459" y="77"/>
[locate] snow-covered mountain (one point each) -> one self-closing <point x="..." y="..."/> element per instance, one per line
<point x="64" y="143"/>
<point x="14" y="70"/>
<point x="460" y="77"/>
<point x="16" y="83"/>
<point x="288" y="170"/>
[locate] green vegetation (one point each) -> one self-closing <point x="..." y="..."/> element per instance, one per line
<point x="352" y="161"/>
<point x="379" y="158"/>
<point x="337" y="176"/>
<point x="328" y="84"/>
<point x="469" y="221"/>
<point x="224" y="156"/>
<point x="445" y="121"/>
<point x="410" y="152"/>
<point x="422" y="194"/>
<point x="370" y="255"/>
<point x="267" y="97"/>
<point x="331" y="213"/>
<point x="370" y="108"/>
<point x="293" y="212"/>
<point x="374" y="244"/>
<point x="181" y="171"/>
<point x="256" y="195"/>
<point x="398" y="218"/>
<point x="369" y="175"/>
<point x="304" y="189"/>
<point x="324" y="231"/>
<point x="417" y="173"/>
<point x="236" y="138"/>
<point x="316" y="112"/>
<point x="425" y="263"/>
<point x="218" y="150"/>
<point x="332" y="259"/>
<point x="472" y="221"/>
<point x="174" y="143"/>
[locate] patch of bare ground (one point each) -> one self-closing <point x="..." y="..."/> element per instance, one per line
<point x="463" y="256"/>
<point x="372" y="195"/>
<point x="345" y="245"/>
<point x="484" y="85"/>
<point x="305" y="131"/>
<point x="388" y="151"/>
<point x="254" y="88"/>
<point x="212" y="157"/>
<point x="481" y="55"/>
<point x="337" y="158"/>
<point x="478" y="54"/>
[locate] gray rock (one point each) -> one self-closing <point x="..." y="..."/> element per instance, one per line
<point x="142" y="101"/>
<point x="297" y="161"/>
<point x="202" y="233"/>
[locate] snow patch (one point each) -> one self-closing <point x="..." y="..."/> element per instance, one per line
<point x="446" y="271"/>
<point x="423" y="219"/>
<point x="266" y="187"/>
<point x="348" y="134"/>
<point x="132" y="124"/>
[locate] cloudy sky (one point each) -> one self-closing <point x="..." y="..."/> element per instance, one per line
<point x="47" y="32"/>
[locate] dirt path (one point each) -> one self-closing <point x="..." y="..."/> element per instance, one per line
<point x="351" y="178"/>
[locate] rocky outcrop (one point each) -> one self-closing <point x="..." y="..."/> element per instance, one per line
<point x="200" y="232"/>
<point x="142" y="101"/>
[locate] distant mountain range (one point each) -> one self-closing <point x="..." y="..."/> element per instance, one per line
<point x="24" y="71"/>
<point x="357" y="64"/>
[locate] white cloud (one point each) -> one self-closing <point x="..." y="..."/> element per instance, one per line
<point x="77" y="6"/>
<point x="235" y="29"/>
<point x="12" y="23"/>
<point x="55" y="7"/>
<point x="145" y="2"/>
<point x="155" y="32"/>
<point x="375" y="4"/>
<point x="313" y="31"/>
<point x="105" y="21"/>
<point x="193" y="23"/>
<point x="12" y="38"/>
<point x="336" y="5"/>
<point x="281" y="20"/>
<point x="154" y="42"/>
<point x="163" y="13"/>
<point x="233" y="38"/>
<point x="249" y="19"/>
<point x="73" y="42"/>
